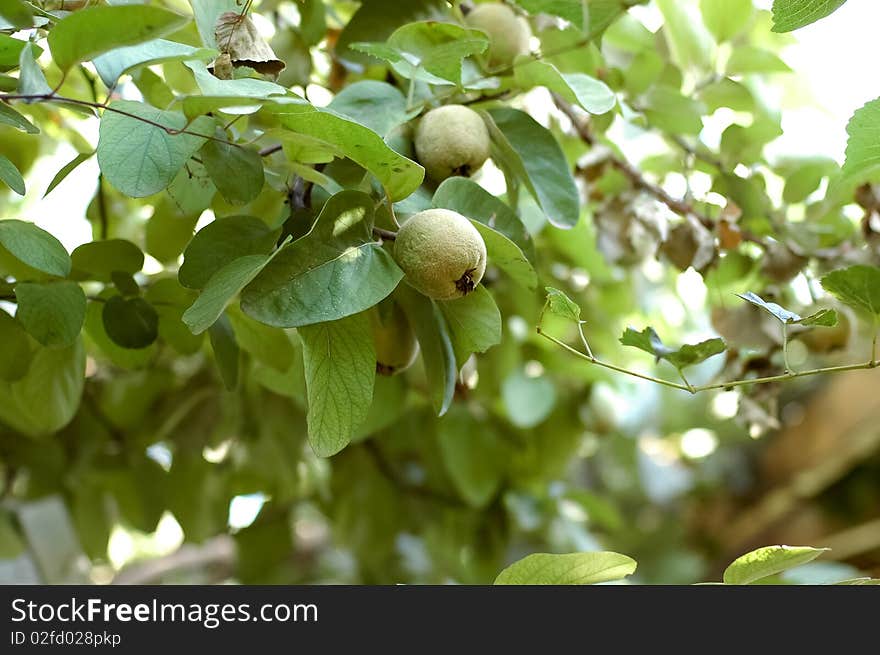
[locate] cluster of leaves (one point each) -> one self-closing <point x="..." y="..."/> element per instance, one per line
<point x="113" y="399"/>
<point x="761" y="566"/>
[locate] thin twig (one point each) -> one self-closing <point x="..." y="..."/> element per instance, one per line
<point x="385" y="235"/>
<point x="716" y="385"/>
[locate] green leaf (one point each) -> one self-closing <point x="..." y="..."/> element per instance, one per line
<point x="857" y="286"/>
<point x="8" y="116"/>
<point x="539" y="162"/>
<point x="237" y="171"/>
<point x="47" y="397"/>
<point x="567" y="569"/>
<point x="221" y="289"/>
<point x="561" y="305"/>
<point x="10" y="175"/>
<point x="377" y="19"/>
<point x="97" y="260"/>
<point x="66" y="170"/>
<point x="573" y="11"/>
<point x="52" y="312"/>
<point x="433" y="46"/>
<point x="667" y="109"/>
<point x="473" y="456"/>
<point x="84" y="34"/>
<point x="34" y="247"/>
<point x="506" y="255"/>
<point x="340" y="365"/>
<point x="219" y="243"/>
<point x="863" y="147"/>
<point x="469" y="199"/>
<point x="748" y="59"/>
<point x="336" y="270"/>
<point x="136" y="152"/>
<point x="100" y="344"/>
<point x="397" y="174"/>
<point x="18" y="13"/>
<point x="591" y="94"/>
<point x="690" y="42"/>
<point x="267" y="345"/>
<point x="789" y="15"/>
<point x="822" y="318"/>
<point x="10" y="51"/>
<point x="474" y="323"/>
<point x="769" y="561"/>
<point x="116" y="63"/>
<point x="31" y="80"/>
<point x="688" y="355"/>
<point x="226" y="351"/>
<point x="726" y="18"/>
<point x="16" y="353"/>
<point x="130" y="323"/>
<point x="376" y="105"/>
<point x="192" y="189"/>
<point x="206" y="13"/>
<point x="527" y="400"/>
<point x="435" y="345"/>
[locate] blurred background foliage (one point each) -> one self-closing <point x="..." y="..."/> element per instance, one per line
<point x="162" y="475"/>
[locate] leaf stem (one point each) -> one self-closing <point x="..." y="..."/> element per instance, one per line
<point x="785" y="347"/>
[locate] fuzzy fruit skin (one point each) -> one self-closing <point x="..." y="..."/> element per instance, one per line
<point x="394" y="338"/>
<point x="508" y="33"/>
<point x="451" y="140"/>
<point x="442" y="254"/>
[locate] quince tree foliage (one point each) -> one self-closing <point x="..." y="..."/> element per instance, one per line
<point x="298" y="250"/>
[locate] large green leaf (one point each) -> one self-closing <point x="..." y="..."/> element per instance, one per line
<point x="336" y="270"/>
<point x="567" y="569"/>
<point x="432" y="46"/>
<point x="538" y="160"/>
<point x="221" y="289"/>
<point x="47" y="397"/>
<point x="219" y="243"/>
<point x="667" y="109"/>
<point x="52" y="312"/>
<point x="579" y="88"/>
<point x="473" y="456"/>
<point x="375" y="20"/>
<point x="131" y="323"/>
<point x="769" y="561"/>
<point x="8" y="116"/>
<point x="114" y="64"/>
<point x="141" y="148"/>
<point x="98" y="260"/>
<point x="84" y="34"/>
<point x="236" y="170"/>
<point x="400" y="176"/>
<point x="790" y="15"/>
<point x="340" y="365"/>
<point x="690" y="42"/>
<point x="863" y="147"/>
<point x="16" y="353"/>
<point x="474" y="323"/>
<point x="11" y="176"/>
<point x="726" y="18"/>
<point x="857" y="286"/>
<point x="34" y="247"/>
<point x="435" y="345"/>
<point x="377" y="105"/>
<point x="227" y="354"/>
